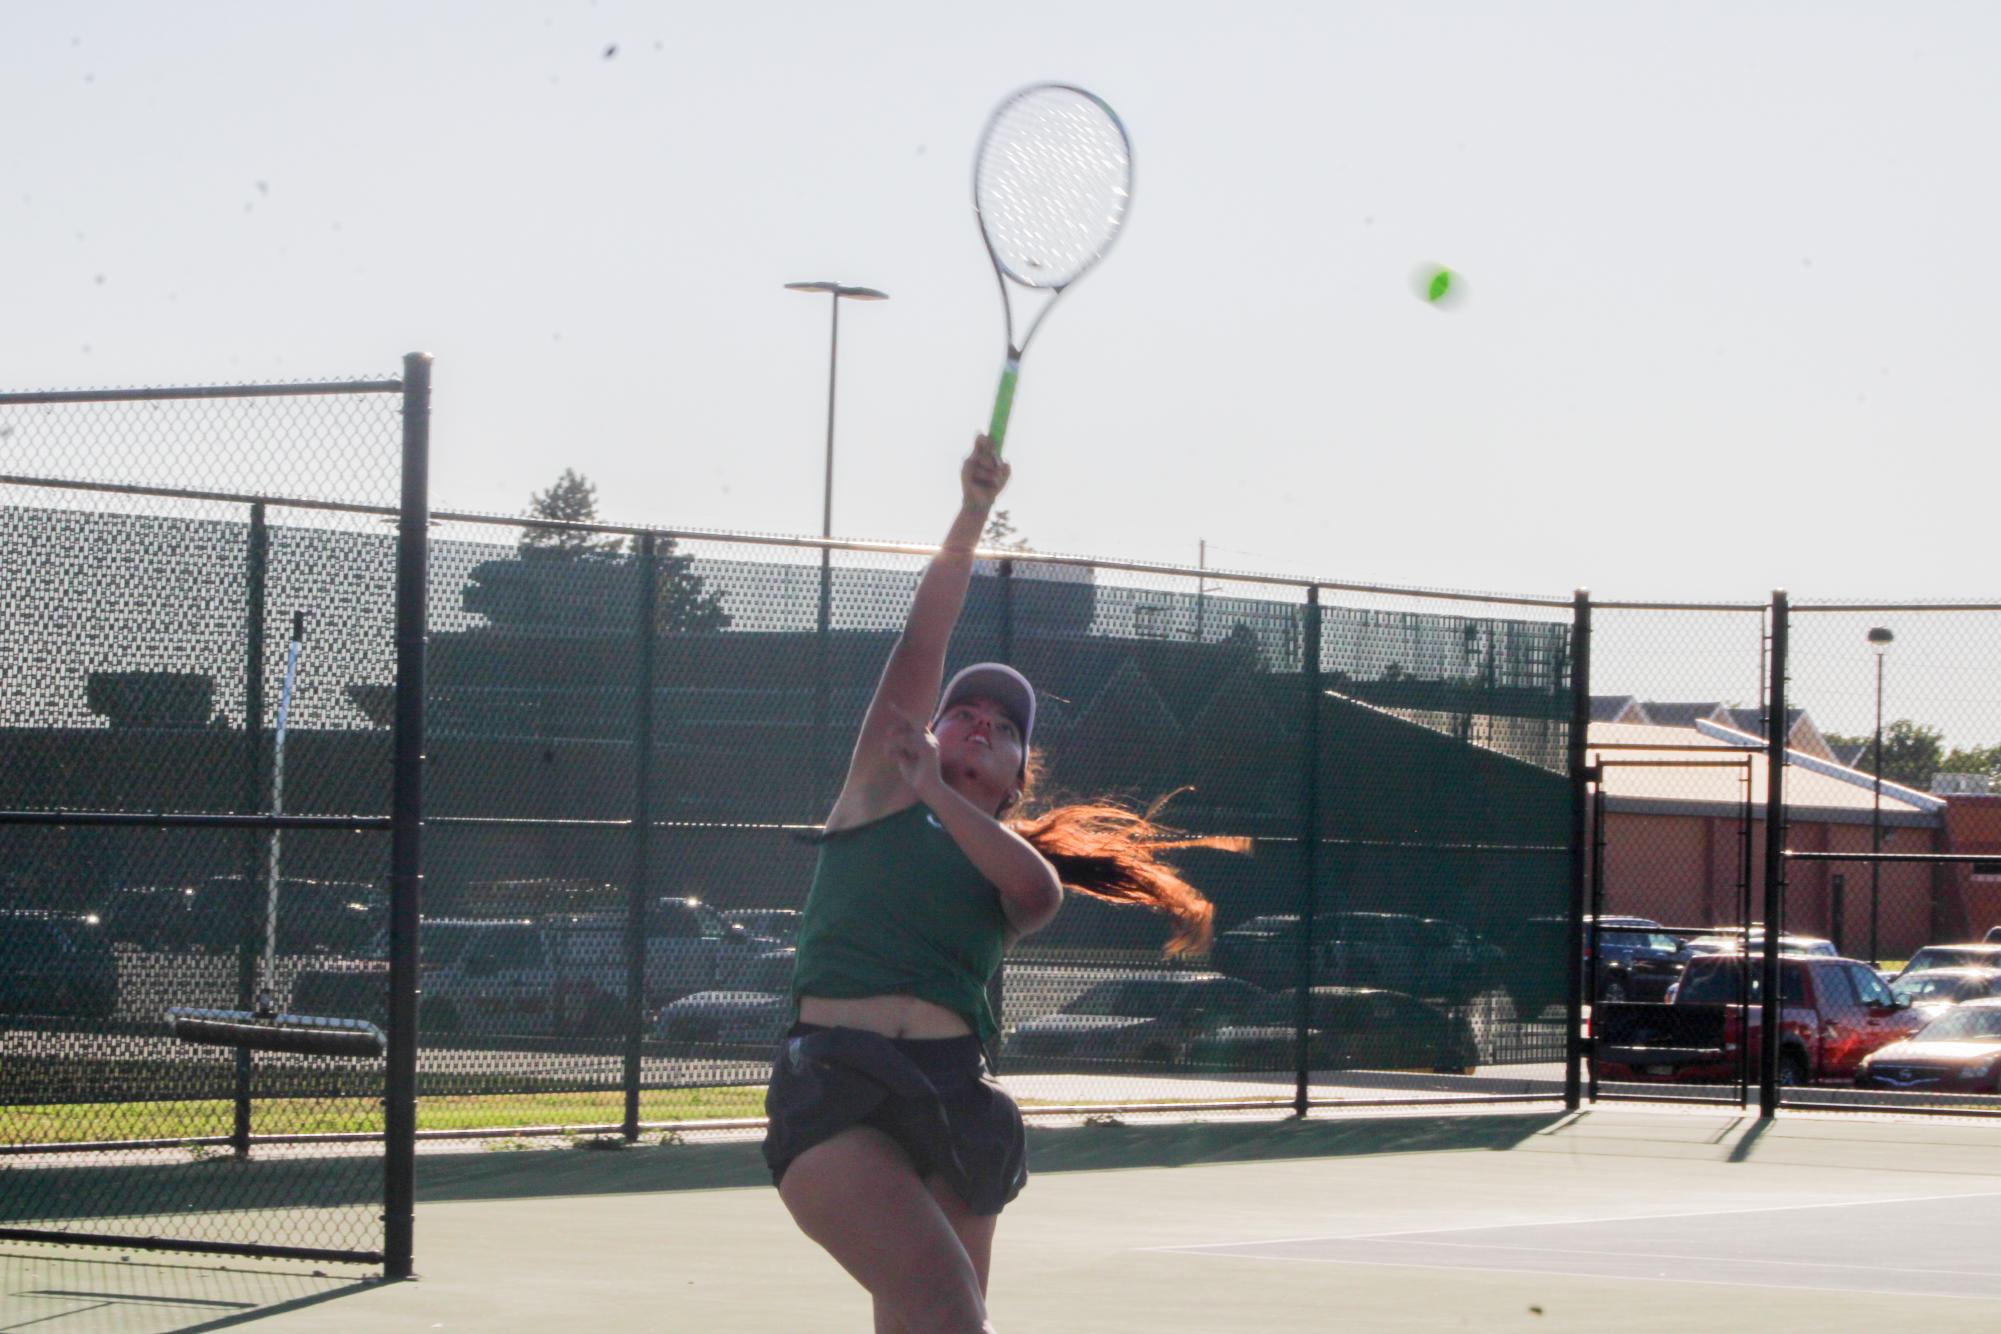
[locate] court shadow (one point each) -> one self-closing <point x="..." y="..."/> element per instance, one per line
<point x="1093" y="1147"/>
<point x="1101" y="1146"/>
<point x="505" y="1170"/>
<point x="102" y="1188"/>
<point x="1748" y="1139"/>
<point x="51" y="1291"/>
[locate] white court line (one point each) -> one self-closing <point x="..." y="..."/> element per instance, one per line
<point x="1663" y="1255"/>
<point x="1609" y="1278"/>
<point x="1581" y="1222"/>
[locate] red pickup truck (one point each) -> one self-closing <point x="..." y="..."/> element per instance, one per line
<point x="1832" y="1013"/>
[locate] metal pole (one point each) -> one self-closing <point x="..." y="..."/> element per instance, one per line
<point x="1744" y="926"/>
<point x="1775" y="862"/>
<point x="257" y="564"/>
<point x="1201" y="588"/>
<point x="1309" y="899"/>
<point x="406" y="846"/>
<point x="639" y="897"/>
<point x="997" y="988"/>
<point x="1876" y="824"/>
<point x="1580" y="797"/>
<point x="1590" y="963"/>
<point x="833" y="363"/>
<point x="822" y="743"/>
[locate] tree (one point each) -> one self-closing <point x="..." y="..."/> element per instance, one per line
<point x="578" y="578"/>
<point x="999" y="534"/>
<point x="1973" y="760"/>
<point x="684" y="605"/>
<point x="573" y="499"/>
<point x="1912" y="753"/>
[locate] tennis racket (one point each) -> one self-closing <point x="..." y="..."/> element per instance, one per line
<point x="1051" y="186"/>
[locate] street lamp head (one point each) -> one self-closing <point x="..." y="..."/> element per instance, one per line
<point x="839" y="290"/>
<point x="1881" y="637"/>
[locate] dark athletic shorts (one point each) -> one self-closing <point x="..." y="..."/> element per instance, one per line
<point x="933" y="1096"/>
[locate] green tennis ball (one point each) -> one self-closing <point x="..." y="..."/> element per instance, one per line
<point x="1437" y="286"/>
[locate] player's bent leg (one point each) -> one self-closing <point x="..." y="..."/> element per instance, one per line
<point x="975" y="1231"/>
<point x="858" y="1195"/>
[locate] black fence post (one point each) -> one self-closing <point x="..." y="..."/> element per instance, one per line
<point x="1309" y="899"/>
<point x="1775" y="862"/>
<point x="406" y="850"/>
<point x="1004" y="651"/>
<point x="1580" y="835"/>
<point x="640" y="895"/>
<point x="256" y="564"/>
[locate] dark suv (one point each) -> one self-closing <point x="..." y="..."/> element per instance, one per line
<point x="1637" y="958"/>
<point x="56" y="964"/>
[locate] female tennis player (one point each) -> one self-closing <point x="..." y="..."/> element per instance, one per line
<point x="890" y="1142"/>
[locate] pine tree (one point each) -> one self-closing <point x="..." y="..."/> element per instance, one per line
<point x="594" y="585"/>
<point x="573" y="499"/>
<point x="1000" y="535"/>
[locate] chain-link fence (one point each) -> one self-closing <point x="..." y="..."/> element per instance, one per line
<point x="1436" y="827"/>
<point x="193" y="810"/>
<point x="634" y="736"/>
<point x="1865" y="923"/>
<point x="1908" y="709"/>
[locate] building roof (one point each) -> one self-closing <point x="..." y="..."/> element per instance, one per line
<point x="1801" y="733"/>
<point x="1617" y="709"/>
<point x="1753" y="720"/>
<point x="1674" y="714"/>
<point x="1695" y="784"/>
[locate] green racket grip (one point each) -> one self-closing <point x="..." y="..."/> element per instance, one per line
<point x="1004" y="402"/>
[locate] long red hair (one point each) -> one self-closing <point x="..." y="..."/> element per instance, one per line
<point x="1111" y="852"/>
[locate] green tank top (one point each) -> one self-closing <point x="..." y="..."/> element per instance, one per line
<point x="896" y="908"/>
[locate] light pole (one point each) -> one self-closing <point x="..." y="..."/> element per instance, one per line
<point x="1880" y="639"/>
<point x="835" y="291"/>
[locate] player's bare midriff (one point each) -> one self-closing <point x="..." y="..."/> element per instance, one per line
<point x="890" y="1016"/>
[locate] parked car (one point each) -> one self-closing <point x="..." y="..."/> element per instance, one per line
<point x="1980" y="955"/>
<point x="778" y="926"/>
<point x="219" y="912"/>
<point x="689" y="948"/>
<point x="1937" y="990"/>
<point x="1958" y="1052"/>
<point x="56" y="964"/>
<point x="1833" y="1012"/>
<point x="1420" y="956"/>
<point x="1145" y="1017"/>
<point x="1263" y="950"/>
<point x="559" y="973"/>
<point x="1348" y="1028"/>
<point x="725" y="1023"/>
<point x="1425" y="956"/>
<point x="1638" y="959"/>
<point x="1730" y="940"/>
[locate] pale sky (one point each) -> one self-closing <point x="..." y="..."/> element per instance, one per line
<point x="1729" y="317"/>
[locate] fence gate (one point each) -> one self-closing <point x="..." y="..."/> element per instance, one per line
<point x="1633" y="960"/>
<point x="184" y="832"/>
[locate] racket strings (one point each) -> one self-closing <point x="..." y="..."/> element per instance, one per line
<point x="1054" y="179"/>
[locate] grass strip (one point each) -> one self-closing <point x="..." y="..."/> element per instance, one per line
<point x="75" y="1123"/>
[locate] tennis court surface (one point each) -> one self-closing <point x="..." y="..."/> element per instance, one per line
<point x="1634" y="1219"/>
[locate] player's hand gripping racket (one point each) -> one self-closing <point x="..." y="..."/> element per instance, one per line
<point x="1051" y="186"/>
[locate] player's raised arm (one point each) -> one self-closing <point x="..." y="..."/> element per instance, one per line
<point x="916" y="669"/>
